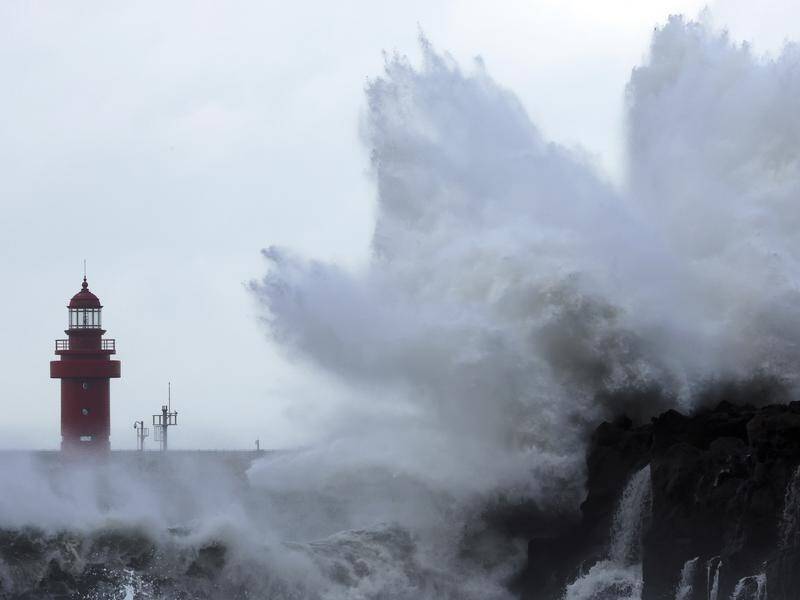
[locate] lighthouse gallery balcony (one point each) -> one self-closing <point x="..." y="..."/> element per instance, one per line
<point x="85" y="363"/>
<point x="106" y="345"/>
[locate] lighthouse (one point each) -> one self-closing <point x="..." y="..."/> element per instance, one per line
<point x="85" y="369"/>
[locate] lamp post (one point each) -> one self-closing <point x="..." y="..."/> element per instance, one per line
<point x="142" y="432"/>
<point x="162" y="422"/>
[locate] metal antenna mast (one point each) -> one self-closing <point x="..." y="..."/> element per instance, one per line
<point x="162" y="422"/>
<point x="142" y="432"/>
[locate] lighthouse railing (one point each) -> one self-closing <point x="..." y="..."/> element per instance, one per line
<point x="105" y="344"/>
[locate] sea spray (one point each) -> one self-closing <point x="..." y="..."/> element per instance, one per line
<point x="512" y="295"/>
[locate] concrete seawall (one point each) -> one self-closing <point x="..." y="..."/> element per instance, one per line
<point x="236" y="461"/>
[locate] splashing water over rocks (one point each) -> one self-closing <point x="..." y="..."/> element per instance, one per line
<point x="630" y="519"/>
<point x="513" y="298"/>
<point x="685" y="584"/>
<point x="751" y="588"/>
<point x="790" y="523"/>
<point x="512" y="295"/>
<point x="609" y="581"/>
<point x="620" y="576"/>
<point x="713" y="568"/>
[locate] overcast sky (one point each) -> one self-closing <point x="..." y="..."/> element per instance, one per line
<point x="167" y="143"/>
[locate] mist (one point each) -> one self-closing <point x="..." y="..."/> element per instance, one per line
<point x="515" y="297"/>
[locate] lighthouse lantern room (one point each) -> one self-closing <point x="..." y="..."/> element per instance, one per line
<point x="85" y="369"/>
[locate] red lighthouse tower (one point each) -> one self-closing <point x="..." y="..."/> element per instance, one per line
<point x="85" y="369"/>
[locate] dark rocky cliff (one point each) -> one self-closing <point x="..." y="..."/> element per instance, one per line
<point x="723" y="492"/>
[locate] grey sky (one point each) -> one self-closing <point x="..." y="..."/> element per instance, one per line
<point x="167" y="143"/>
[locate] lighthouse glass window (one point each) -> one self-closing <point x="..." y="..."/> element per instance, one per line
<point x="84" y="318"/>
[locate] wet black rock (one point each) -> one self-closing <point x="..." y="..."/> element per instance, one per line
<point x="209" y="562"/>
<point x="719" y="489"/>
<point x="719" y="482"/>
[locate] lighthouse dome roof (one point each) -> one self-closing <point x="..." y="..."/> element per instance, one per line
<point x="85" y="298"/>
